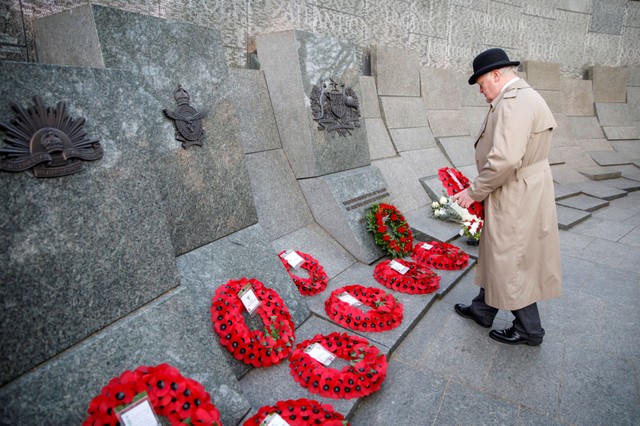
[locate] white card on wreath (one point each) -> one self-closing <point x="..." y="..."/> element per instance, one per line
<point x="274" y="419"/>
<point x="320" y="354"/>
<point x="140" y="413"/>
<point x="427" y="246"/>
<point x="249" y="298"/>
<point x="349" y="299"/>
<point x="294" y="259"/>
<point x="397" y="266"/>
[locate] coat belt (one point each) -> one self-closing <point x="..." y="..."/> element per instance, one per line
<point x="532" y="169"/>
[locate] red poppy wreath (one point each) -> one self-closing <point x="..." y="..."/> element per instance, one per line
<point x="417" y="280"/>
<point x="385" y="314"/>
<point x="318" y="279"/>
<point x="300" y="412"/>
<point x="390" y="230"/>
<point x="364" y="375"/>
<point x="260" y="348"/>
<point x="440" y="255"/>
<point x="454" y="181"/>
<point x="182" y="400"/>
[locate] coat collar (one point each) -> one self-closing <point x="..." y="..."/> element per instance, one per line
<point x="510" y="92"/>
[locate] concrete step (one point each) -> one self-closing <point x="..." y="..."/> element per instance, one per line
<point x="583" y="202"/>
<point x="569" y="217"/>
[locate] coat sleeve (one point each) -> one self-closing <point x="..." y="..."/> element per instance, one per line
<point x="514" y="120"/>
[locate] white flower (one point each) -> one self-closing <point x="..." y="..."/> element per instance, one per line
<point x="437" y="212"/>
<point x="435" y="205"/>
<point x="461" y="232"/>
<point x="444" y="200"/>
<point x="474" y="227"/>
<point x="443" y="212"/>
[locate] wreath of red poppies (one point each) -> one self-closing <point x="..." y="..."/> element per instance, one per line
<point x="385" y="314"/>
<point x="454" y="181"/>
<point x="318" y="279"/>
<point x="259" y="348"/>
<point x="417" y="280"/>
<point x="300" y="412"/>
<point x="364" y="375"/>
<point x="180" y="399"/>
<point x="440" y="256"/>
<point x="390" y="230"/>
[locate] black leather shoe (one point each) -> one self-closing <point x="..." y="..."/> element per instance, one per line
<point x="465" y="312"/>
<point x="511" y="337"/>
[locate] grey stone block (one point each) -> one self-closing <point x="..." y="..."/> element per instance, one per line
<point x="447" y="123"/>
<point x="412" y="138"/>
<point x="633" y="74"/>
<point x="565" y="191"/>
<point x="583" y="202"/>
<point x="53" y="32"/>
<point x="293" y="63"/>
<point x="628" y="148"/>
<point x="247" y="253"/>
<point x="339" y="203"/>
<point x="203" y="206"/>
<point x="281" y="206"/>
<point x="563" y="134"/>
<point x="380" y="145"/>
<point x="475" y="116"/>
<point x="554" y="99"/>
<point x="582" y="6"/>
<point x="564" y="174"/>
<point x="369" y="104"/>
<point x="397" y="71"/>
<point x="625" y="184"/>
<point x="574" y="156"/>
<point x="259" y="384"/>
<point x="458" y="149"/>
<point x="600" y="173"/>
<point x="609" y="158"/>
<point x="315" y="241"/>
<point x="542" y="75"/>
<point x="80" y="251"/>
<point x="609" y="83"/>
<point x="258" y="130"/>
<point x="615" y="114"/>
<point x="602" y="190"/>
<point x="403" y="112"/>
<point x="621" y="132"/>
<point x="175" y="329"/>
<point x="607" y="17"/>
<point x="471" y="96"/>
<point x="595" y="145"/>
<point x="578" y="97"/>
<point x="422" y="221"/>
<point x="586" y="128"/>
<point x="433" y="187"/>
<point x="440" y="88"/>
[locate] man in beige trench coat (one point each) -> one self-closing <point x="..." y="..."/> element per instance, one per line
<point x="519" y="253"/>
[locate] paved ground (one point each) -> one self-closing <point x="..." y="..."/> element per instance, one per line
<point x="587" y="371"/>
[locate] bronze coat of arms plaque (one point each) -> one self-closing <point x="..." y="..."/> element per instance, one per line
<point x="46" y="140"/>
<point x="187" y="120"/>
<point x="335" y="107"/>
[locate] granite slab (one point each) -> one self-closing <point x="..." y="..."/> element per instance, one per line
<point x="380" y="145"/>
<point x="602" y="189"/>
<point x="412" y="138"/>
<point x="257" y="124"/>
<point x="615" y="114"/>
<point x="440" y="88"/>
<point x="294" y="62"/>
<point x="583" y="202"/>
<point x="80" y="251"/>
<point x="564" y="174"/>
<point x="586" y="128"/>
<point x="628" y="148"/>
<point x="609" y="83"/>
<point x="609" y="158"/>
<point x="246" y="253"/>
<point x="459" y="150"/>
<point x="370" y="106"/>
<point x="600" y="173"/>
<point x="339" y="203"/>
<point x="578" y="97"/>
<point x="624" y="184"/>
<point x="397" y="71"/>
<point x="403" y="112"/>
<point x="280" y="204"/>
<point x="622" y="132"/>
<point x="542" y="75"/>
<point x="447" y="123"/>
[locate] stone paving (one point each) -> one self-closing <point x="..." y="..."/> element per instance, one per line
<point x="448" y="371"/>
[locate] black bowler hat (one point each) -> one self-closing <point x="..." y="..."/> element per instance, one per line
<point x="490" y="60"/>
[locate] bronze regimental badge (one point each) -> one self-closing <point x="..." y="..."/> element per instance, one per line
<point x="187" y="120"/>
<point x="335" y="107"/>
<point x="47" y="140"/>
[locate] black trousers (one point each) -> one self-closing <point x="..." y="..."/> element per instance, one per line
<point x="526" y="322"/>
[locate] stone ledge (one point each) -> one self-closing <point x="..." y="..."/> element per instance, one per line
<point x="569" y="217"/>
<point x="583" y="202"/>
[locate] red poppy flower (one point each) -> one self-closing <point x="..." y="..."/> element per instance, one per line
<point x="440" y="255"/>
<point x="317" y="280"/>
<point x="417" y="280"/>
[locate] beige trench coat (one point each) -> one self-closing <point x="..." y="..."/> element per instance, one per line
<point x="519" y="253"/>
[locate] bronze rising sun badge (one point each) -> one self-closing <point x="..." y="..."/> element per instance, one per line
<point x="46" y="140"/>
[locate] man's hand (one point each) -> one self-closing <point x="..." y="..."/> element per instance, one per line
<point x="463" y="199"/>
